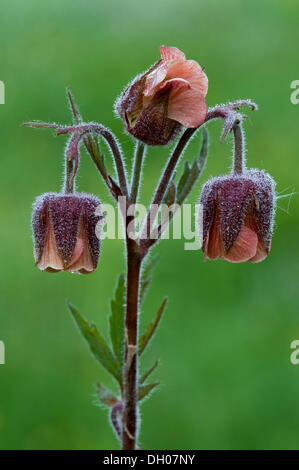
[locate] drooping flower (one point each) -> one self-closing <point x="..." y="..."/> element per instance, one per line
<point x="169" y="95"/>
<point x="238" y="213"/>
<point x="64" y="232"/>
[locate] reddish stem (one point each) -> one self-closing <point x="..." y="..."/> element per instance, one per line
<point x="239" y="157"/>
<point x="130" y="372"/>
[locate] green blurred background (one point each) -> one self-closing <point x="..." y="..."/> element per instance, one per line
<point x="224" y="343"/>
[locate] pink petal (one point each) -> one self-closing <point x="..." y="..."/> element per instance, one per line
<point x="171" y="53"/>
<point x="83" y="265"/>
<point x="79" y="247"/>
<point x="154" y="78"/>
<point x="214" y="247"/>
<point x="244" y="248"/>
<point x="174" y="83"/>
<point x="187" y="106"/>
<point x="50" y="260"/>
<point x="81" y="261"/>
<point x="190" y="71"/>
<point x="261" y="253"/>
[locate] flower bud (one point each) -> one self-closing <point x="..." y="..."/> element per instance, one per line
<point x="169" y="95"/>
<point x="64" y="232"/>
<point x="238" y="213"/>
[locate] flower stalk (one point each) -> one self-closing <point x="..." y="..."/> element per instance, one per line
<point x="137" y="251"/>
<point x="239" y="157"/>
<point x="154" y="107"/>
<point x="138" y="160"/>
<point x="130" y="369"/>
<point x="69" y="177"/>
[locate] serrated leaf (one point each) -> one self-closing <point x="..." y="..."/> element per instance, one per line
<point x="195" y="170"/>
<point x="199" y="162"/>
<point x="204" y="149"/>
<point x="91" y="142"/>
<point x="97" y="344"/>
<point x="144" y="390"/>
<point x="170" y="194"/>
<point x="183" y="180"/>
<point x="148" y="334"/>
<point x="148" y="373"/>
<point x="74" y="108"/>
<point x="105" y="396"/>
<point x="147" y="274"/>
<point x="117" y="318"/>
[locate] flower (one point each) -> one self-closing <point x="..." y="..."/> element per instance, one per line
<point x="64" y="232"/>
<point x="238" y="212"/>
<point x="169" y="95"/>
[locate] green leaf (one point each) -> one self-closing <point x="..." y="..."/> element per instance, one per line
<point x="74" y="108"/>
<point x="199" y="162"/>
<point x="183" y="180"/>
<point x="191" y="175"/>
<point x="146" y="337"/>
<point x="148" y="373"/>
<point x="170" y="194"/>
<point x="147" y="275"/>
<point x="144" y="390"/>
<point x="105" y="396"/>
<point x="117" y="319"/>
<point x="204" y="149"/>
<point x="97" y="344"/>
<point x="91" y="142"/>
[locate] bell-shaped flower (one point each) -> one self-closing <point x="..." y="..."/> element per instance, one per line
<point x="238" y="213"/>
<point x="171" y="94"/>
<point x="64" y="232"/>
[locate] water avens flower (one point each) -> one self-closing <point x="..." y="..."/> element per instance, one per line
<point x="64" y="232"/>
<point x="171" y="94"/>
<point x="238" y="212"/>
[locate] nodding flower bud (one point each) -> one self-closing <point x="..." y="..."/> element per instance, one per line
<point x="169" y="95"/>
<point x="64" y="232"/>
<point x="238" y="212"/>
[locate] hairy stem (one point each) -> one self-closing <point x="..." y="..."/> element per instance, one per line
<point x="130" y="372"/>
<point x="139" y="154"/>
<point x="130" y="369"/>
<point x="197" y="167"/>
<point x="69" y="177"/>
<point x="91" y="144"/>
<point x="164" y="181"/>
<point x="239" y="158"/>
<point x="112" y="143"/>
<point x="231" y="119"/>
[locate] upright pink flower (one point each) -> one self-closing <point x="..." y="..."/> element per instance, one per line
<point x="238" y="212"/>
<point x="64" y="232"/>
<point x="169" y="95"/>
